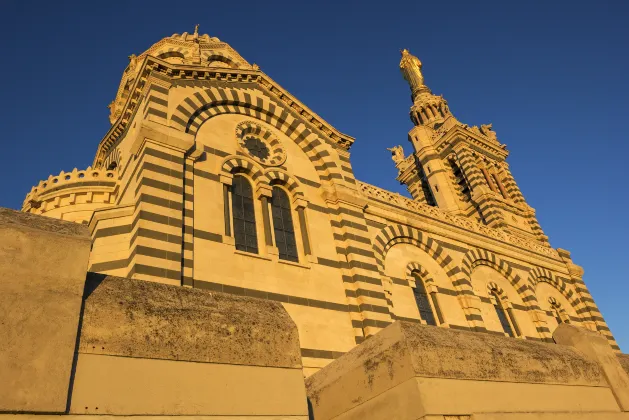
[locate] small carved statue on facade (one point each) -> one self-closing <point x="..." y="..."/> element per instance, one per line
<point x="255" y="66"/>
<point x="397" y="154"/>
<point x="133" y="61"/>
<point x="487" y="131"/>
<point x="476" y="130"/>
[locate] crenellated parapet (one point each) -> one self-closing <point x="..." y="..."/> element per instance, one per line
<point x="79" y="192"/>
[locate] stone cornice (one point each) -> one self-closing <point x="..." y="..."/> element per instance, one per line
<point x="384" y="197"/>
<point x="152" y="65"/>
<point x="446" y="139"/>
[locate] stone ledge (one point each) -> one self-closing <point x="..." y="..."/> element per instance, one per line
<point x="17" y="219"/>
<point x="135" y="318"/>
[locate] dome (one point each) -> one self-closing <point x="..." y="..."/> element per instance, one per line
<point x="190" y="49"/>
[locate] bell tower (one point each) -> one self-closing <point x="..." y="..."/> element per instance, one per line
<point x="458" y="168"/>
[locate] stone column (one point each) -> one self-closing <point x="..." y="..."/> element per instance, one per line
<point x="367" y="301"/>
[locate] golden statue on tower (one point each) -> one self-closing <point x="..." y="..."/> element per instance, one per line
<point x="411" y="69"/>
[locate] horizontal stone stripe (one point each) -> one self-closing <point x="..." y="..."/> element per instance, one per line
<point x="160" y="89"/>
<point x="260" y="294"/>
<point x="453" y="247"/>
<point x="473" y="317"/>
<point x="320" y="209"/>
<point x="162" y="155"/>
<point x="330" y="263"/>
<point x="362" y="265"/>
<point x="112" y="231"/>
<point x="162" y="202"/>
<point x="308" y="182"/>
<point x="157" y="218"/>
<point x="375" y="323"/>
<point x="156" y="271"/>
<point x="156" y="112"/>
<point x="366" y="307"/>
<point x="352" y="237"/>
<point x="160" y="236"/>
<point x="448" y="292"/>
<point x="365" y="292"/>
<point x="208" y="236"/>
<point x="206" y="175"/>
<point x="162" y="170"/>
<point x="348" y="224"/>
<point x="160" y="185"/>
<point x="321" y="354"/>
<point x="109" y="265"/>
<point x="214" y="151"/>
<point x="360" y="278"/>
<point x="406" y="319"/>
<point x="401" y="282"/>
<point x="157" y="253"/>
<point x="459" y="327"/>
<point x="375" y="224"/>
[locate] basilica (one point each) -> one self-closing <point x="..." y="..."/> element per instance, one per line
<point x="212" y="176"/>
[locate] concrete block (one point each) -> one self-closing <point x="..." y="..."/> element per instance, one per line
<point x="43" y="263"/>
<point x="152" y="349"/>
<point x="412" y="370"/>
<point x="597" y="348"/>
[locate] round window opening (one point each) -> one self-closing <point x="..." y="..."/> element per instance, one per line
<point x="261" y="144"/>
<point x="257" y="148"/>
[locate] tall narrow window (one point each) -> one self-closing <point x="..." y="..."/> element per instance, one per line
<point x="500" y="187"/>
<point x="283" y="225"/>
<point x="423" y="303"/>
<point x="244" y="215"/>
<point x="502" y="316"/>
<point x="460" y="180"/>
<point x="430" y="198"/>
<point x="556" y="307"/>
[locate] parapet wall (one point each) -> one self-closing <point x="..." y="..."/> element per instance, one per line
<point x="412" y="371"/>
<point x="143" y="348"/>
<point x="153" y="349"/>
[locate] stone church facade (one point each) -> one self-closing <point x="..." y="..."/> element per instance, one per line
<point x="212" y="176"/>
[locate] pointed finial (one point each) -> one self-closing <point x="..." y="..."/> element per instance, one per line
<point x="196" y="29"/>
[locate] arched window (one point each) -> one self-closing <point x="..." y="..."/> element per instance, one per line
<point x="556" y="308"/>
<point x="502" y="315"/>
<point x="283" y="225"/>
<point x="244" y="218"/>
<point x="423" y="302"/>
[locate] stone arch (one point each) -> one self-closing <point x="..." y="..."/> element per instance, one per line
<point x="169" y="51"/>
<point x="235" y="164"/>
<point x="276" y="176"/>
<point x="423" y="273"/>
<point x="210" y="57"/>
<point x="200" y="106"/>
<point x="396" y="234"/>
<point x="476" y="257"/>
<point x="539" y="274"/>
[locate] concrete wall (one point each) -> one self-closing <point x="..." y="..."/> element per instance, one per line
<point x="143" y="348"/>
<point x="43" y="262"/>
<point x="411" y="371"/>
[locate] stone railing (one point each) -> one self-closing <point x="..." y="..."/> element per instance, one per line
<point x="84" y="182"/>
<point x="395" y="199"/>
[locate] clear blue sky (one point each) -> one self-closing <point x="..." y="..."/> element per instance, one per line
<point x="550" y="76"/>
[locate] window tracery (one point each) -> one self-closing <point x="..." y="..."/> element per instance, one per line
<point x="283" y="227"/>
<point x="243" y="215"/>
